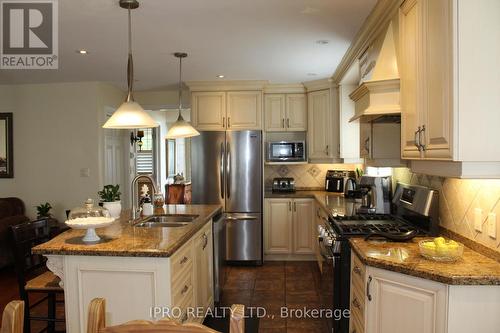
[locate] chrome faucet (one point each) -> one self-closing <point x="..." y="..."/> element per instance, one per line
<point x="136" y="209"/>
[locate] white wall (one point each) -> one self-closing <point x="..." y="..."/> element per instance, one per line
<point x="57" y="132"/>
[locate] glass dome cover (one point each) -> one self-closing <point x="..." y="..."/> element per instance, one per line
<point x="89" y="212"/>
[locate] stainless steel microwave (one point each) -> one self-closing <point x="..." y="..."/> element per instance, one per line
<point x="286" y="151"/>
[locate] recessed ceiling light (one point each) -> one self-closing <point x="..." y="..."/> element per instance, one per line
<point x="322" y="41"/>
<point x="220" y="76"/>
<point x="82" y="51"/>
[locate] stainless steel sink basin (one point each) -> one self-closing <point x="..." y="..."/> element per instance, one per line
<point x="166" y="221"/>
<point x="161" y="224"/>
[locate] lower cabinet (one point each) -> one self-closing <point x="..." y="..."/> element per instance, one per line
<point x="203" y="269"/>
<point x="384" y="301"/>
<point x="288" y="226"/>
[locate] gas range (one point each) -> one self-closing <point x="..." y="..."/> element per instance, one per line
<point x="366" y="224"/>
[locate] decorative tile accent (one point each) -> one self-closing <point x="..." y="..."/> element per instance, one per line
<point x="458" y="198"/>
<point x="283" y="170"/>
<point x="314" y="171"/>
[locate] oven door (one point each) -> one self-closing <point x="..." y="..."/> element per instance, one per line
<point x="330" y="283"/>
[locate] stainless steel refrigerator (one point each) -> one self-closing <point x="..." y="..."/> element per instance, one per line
<point x="226" y="169"/>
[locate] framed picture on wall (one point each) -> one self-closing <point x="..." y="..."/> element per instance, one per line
<point x="6" y="146"/>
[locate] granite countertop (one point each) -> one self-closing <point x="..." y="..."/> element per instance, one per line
<point x="331" y="202"/>
<point x="124" y="240"/>
<point x="472" y="269"/>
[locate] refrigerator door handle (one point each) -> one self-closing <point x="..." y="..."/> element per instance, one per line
<point x="222" y="153"/>
<point x="228" y="170"/>
<point x="244" y="218"/>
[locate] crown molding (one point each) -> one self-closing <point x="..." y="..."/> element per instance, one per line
<point x="225" y="85"/>
<point x="379" y="18"/>
<point x="321" y="84"/>
<point x="278" y="88"/>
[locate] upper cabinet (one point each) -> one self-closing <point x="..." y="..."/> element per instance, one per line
<point x="449" y="94"/>
<point x="285" y="112"/>
<point x="244" y="110"/>
<point x="232" y="105"/>
<point x="320" y="134"/>
<point x="208" y="110"/>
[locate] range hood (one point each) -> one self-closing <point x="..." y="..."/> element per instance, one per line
<point x="378" y="93"/>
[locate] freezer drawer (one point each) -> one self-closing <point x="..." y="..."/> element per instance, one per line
<point x="244" y="237"/>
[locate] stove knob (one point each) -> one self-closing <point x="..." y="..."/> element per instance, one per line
<point x="328" y="241"/>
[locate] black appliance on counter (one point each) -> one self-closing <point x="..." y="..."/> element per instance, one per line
<point x="285" y="185"/>
<point x="337" y="180"/>
<point x="415" y="211"/>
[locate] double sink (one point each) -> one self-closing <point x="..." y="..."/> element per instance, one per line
<point x="166" y="221"/>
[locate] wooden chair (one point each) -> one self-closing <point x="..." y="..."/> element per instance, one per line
<point x="31" y="266"/>
<point x="12" y="318"/>
<point x="97" y="322"/>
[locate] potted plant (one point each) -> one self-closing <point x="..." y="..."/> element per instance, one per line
<point x="110" y="197"/>
<point x="43" y="212"/>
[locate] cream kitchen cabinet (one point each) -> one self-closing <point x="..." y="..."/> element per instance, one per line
<point x="208" y="110"/>
<point x="288" y="227"/>
<point x="244" y="110"/>
<point x="448" y="92"/>
<point x="383" y="301"/>
<point x="285" y="112"/>
<point x="231" y="110"/>
<point x="203" y="267"/>
<point x="379" y="144"/>
<point x="320" y="127"/>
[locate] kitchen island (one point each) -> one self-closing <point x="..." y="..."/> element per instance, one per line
<point x="137" y="269"/>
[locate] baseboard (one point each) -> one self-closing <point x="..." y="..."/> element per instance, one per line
<point x="289" y="257"/>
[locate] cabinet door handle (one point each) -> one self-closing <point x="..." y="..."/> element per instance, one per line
<point x="223" y="121"/>
<point x="327" y="150"/>
<point x="289" y="205"/>
<point x="185" y="289"/>
<point x="228" y="122"/>
<point x="417" y="138"/>
<point x="368" y="288"/>
<point x="367" y="145"/>
<point x="205" y="241"/>
<point x="357" y="270"/>
<point x="288" y="122"/>
<point x="183" y="260"/>
<point x="294" y="206"/>
<point x="420" y="140"/>
<point x="283" y="122"/>
<point x="317" y="213"/>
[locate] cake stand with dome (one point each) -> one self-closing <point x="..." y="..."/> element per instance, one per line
<point x="89" y="217"/>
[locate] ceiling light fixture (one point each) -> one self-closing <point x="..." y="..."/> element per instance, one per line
<point x="220" y="76"/>
<point x="130" y="115"/>
<point x="322" y="42"/>
<point x="181" y="128"/>
<point x="82" y="51"/>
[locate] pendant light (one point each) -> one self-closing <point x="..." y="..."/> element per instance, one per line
<point x="181" y="128"/>
<point x="130" y="115"/>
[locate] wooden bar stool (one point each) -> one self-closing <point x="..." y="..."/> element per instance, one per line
<point x="32" y="274"/>
<point x="12" y="318"/>
<point x="96" y="322"/>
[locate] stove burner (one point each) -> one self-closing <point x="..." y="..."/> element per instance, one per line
<point x="361" y="225"/>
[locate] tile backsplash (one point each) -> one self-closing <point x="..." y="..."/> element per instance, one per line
<point x="306" y="175"/>
<point x="458" y="201"/>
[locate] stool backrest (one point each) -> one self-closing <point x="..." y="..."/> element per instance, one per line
<point x="13" y="318"/>
<point x="24" y="237"/>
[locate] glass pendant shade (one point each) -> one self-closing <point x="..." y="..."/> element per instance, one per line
<point x="181" y="129"/>
<point x="130" y="115"/>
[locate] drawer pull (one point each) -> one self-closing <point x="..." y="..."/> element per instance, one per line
<point x="205" y="241"/>
<point x="184" y="260"/>
<point x="368" y="283"/>
<point x="356" y="303"/>
<point x="184" y="290"/>
<point x="357" y="270"/>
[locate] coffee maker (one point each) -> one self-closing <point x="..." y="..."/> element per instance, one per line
<point x="376" y="195"/>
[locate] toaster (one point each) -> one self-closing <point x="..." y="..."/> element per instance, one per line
<point x="283" y="185"/>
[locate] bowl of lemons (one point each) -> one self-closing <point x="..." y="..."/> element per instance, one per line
<point x="440" y="249"/>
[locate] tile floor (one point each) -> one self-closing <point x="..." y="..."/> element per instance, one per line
<point x="272" y="286"/>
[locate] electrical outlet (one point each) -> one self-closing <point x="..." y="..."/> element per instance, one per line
<point x="492" y="225"/>
<point x="478" y="219"/>
<point x="85" y="172"/>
